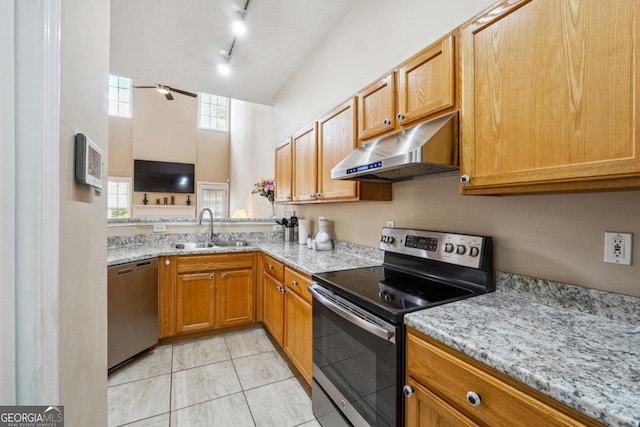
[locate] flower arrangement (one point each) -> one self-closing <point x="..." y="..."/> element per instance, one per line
<point x="265" y="188"/>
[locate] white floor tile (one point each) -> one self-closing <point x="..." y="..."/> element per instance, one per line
<point x="204" y="383"/>
<point x="199" y="353"/>
<point x="152" y="364"/>
<point x="248" y="342"/>
<point x="261" y="369"/>
<point x="158" y="421"/>
<point x="226" y="411"/>
<point x="138" y="400"/>
<point x="282" y="404"/>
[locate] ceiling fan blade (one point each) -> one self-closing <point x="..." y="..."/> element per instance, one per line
<point x="183" y="92"/>
<point x="145" y="87"/>
<point x="168" y="96"/>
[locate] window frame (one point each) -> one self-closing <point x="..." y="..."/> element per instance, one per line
<point x="128" y="180"/>
<point x="130" y="102"/>
<point x="206" y="185"/>
<point x="213" y="117"/>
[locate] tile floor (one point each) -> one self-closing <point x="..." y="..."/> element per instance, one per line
<point x="234" y="379"/>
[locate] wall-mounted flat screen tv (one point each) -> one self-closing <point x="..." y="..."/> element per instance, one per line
<point x="163" y="177"/>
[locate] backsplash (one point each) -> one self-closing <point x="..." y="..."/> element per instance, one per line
<point x="167" y="238"/>
<point x="618" y="307"/>
<point x="361" y="251"/>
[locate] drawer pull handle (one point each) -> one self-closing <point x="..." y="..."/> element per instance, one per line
<point x="224" y="275"/>
<point x="270" y="267"/>
<point x="474" y="399"/>
<point x="407" y="390"/>
<point x="212" y="276"/>
<point x="294" y="283"/>
<point x="167" y="262"/>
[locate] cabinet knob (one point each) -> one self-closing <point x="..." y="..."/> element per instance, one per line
<point x="465" y="179"/>
<point x="224" y="275"/>
<point x="386" y="122"/>
<point x="473" y="398"/>
<point x="212" y="276"/>
<point x="312" y="196"/>
<point x="400" y="116"/>
<point x="407" y="390"/>
<point x="318" y="195"/>
<point x="294" y="283"/>
<point x="167" y="262"/>
<point x="288" y="197"/>
<point x="270" y="267"/>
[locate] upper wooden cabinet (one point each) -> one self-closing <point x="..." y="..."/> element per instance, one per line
<point x="551" y="92"/>
<point x="283" y="172"/>
<point x="337" y="139"/>
<point x="305" y="145"/>
<point x="419" y="87"/>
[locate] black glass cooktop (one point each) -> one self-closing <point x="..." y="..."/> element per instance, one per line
<point x="388" y="292"/>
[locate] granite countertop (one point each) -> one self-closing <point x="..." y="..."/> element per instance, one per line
<point x="297" y="256"/>
<point x="589" y="363"/>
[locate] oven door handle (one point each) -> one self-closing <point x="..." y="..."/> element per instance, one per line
<point x="368" y="326"/>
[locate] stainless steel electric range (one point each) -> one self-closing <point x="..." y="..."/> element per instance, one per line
<point x="358" y="330"/>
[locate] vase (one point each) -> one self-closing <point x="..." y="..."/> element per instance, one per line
<point x="273" y="209"/>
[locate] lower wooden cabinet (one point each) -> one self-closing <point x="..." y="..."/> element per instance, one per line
<point x="287" y="312"/>
<point x="273" y="307"/>
<point x="447" y="388"/>
<point x="298" y="342"/>
<point x="205" y="292"/>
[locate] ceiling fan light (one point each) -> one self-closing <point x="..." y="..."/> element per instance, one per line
<point x="238" y="27"/>
<point x="163" y="90"/>
<point x="224" y="68"/>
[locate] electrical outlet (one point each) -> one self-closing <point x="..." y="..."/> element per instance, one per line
<point x="277" y="227"/>
<point x="391" y="223"/>
<point x="159" y="228"/>
<point x="618" y="248"/>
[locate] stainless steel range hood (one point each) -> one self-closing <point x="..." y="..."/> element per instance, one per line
<point x="427" y="148"/>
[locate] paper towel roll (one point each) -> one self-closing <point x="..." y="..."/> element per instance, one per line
<point x="303" y="231"/>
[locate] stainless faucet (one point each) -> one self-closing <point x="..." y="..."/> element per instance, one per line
<point x="210" y="224"/>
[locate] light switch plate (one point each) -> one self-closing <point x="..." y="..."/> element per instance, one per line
<point x="159" y="228"/>
<point x="618" y="248"/>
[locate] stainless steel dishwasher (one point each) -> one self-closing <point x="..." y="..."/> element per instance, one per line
<point x="132" y="309"/>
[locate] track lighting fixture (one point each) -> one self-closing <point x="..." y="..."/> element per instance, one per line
<point x="239" y="28"/>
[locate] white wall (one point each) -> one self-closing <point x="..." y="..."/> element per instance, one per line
<point x="7" y="215"/>
<point x="556" y="237"/>
<point x="252" y="156"/>
<point x="83" y="282"/>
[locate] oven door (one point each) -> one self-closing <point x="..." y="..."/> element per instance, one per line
<point x="356" y="361"/>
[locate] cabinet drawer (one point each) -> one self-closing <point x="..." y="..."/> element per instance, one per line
<point x="274" y="268"/>
<point x="503" y="403"/>
<point x="298" y="283"/>
<point x="194" y="263"/>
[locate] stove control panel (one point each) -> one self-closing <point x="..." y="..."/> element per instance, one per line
<point x="459" y="249"/>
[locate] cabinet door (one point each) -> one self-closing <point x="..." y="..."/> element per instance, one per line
<point x="283" y="172"/>
<point x="297" y="333"/>
<point x="195" y="298"/>
<point x="550" y="97"/>
<point x="426" y="82"/>
<point x="167" y="296"/>
<point x="235" y="298"/>
<point x="425" y="409"/>
<point x="336" y="140"/>
<point x="376" y="107"/>
<point x="273" y="307"/>
<point x="305" y="164"/>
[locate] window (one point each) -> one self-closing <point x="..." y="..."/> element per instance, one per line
<point x="215" y="196"/>
<point x="213" y="112"/>
<point x="119" y="96"/>
<point x="118" y="197"/>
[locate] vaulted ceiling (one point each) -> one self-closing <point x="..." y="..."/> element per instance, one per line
<point x="178" y="42"/>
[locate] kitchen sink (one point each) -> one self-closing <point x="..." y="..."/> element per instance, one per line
<point x="208" y="245"/>
<point x="231" y="244"/>
<point x="192" y="245"/>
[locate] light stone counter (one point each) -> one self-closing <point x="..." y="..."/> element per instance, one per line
<point x="297" y="256"/>
<point x="587" y="362"/>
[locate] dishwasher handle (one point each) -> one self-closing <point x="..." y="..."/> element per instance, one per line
<point x="125" y="271"/>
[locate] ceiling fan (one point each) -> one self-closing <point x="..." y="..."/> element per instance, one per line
<point x="166" y="91"/>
